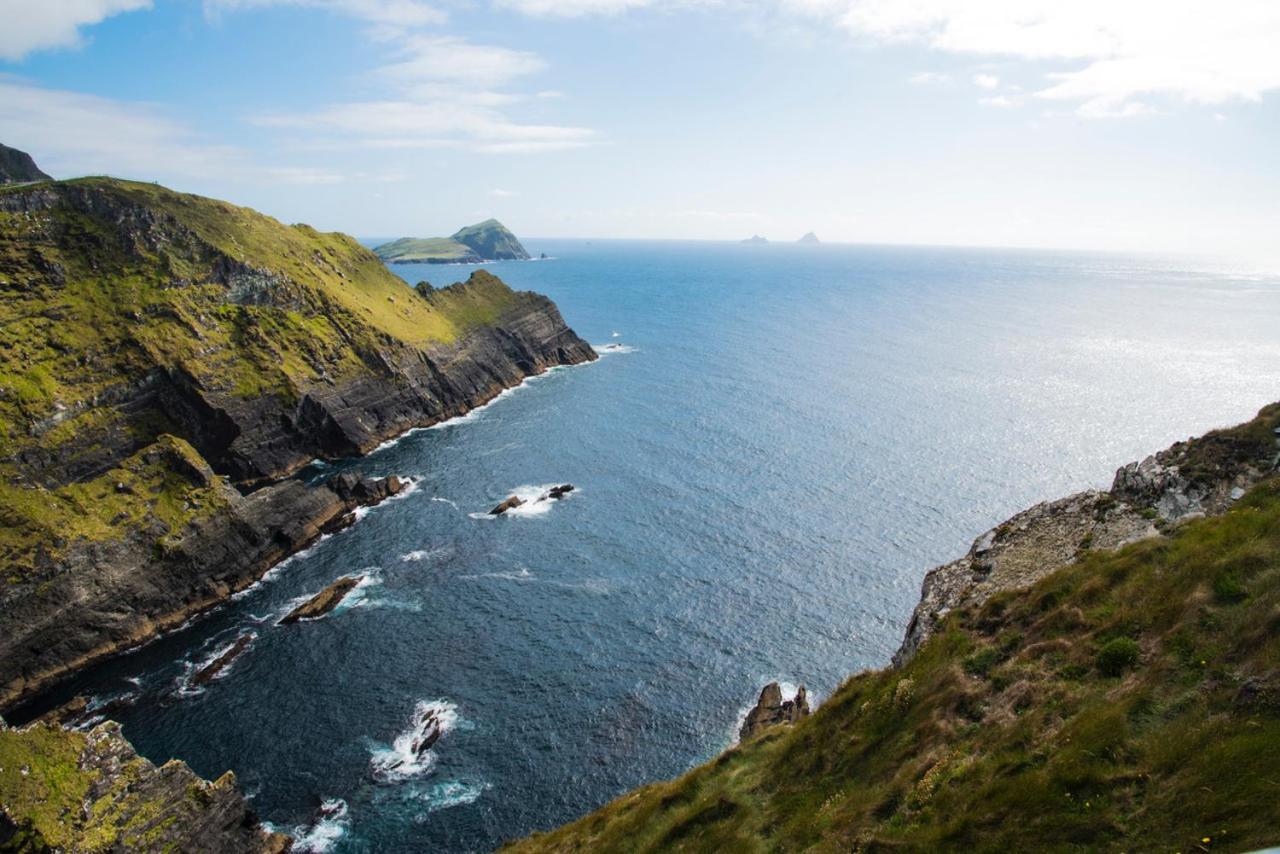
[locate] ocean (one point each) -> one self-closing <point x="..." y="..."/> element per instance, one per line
<point x="776" y="445"/>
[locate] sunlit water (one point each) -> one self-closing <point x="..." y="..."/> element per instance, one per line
<point x="787" y="439"/>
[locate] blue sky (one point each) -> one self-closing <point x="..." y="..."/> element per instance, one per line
<point x="1126" y="124"/>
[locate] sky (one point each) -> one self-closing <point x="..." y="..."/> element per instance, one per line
<point x="1116" y="125"/>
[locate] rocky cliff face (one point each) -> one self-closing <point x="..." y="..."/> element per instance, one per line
<point x="82" y="792"/>
<point x="1188" y="480"/>
<point x="164" y="361"/>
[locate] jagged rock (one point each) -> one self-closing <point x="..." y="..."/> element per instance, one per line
<point x="508" y="504"/>
<point x="92" y="792"/>
<point x="324" y="601"/>
<point x="771" y="710"/>
<point x="222" y="662"/>
<point x="558" y="492"/>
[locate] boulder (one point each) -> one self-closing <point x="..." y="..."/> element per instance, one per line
<point x="510" y="504"/>
<point x="324" y="601"/>
<point x="206" y="673"/>
<point x="772" y="710"/>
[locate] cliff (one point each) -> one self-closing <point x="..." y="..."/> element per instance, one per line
<point x="165" y="360"/>
<point x="89" y="792"/>
<point x="1098" y="673"/>
<point x="17" y="167"/>
<point x="485" y="241"/>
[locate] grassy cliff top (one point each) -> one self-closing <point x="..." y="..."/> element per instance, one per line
<point x="1128" y="702"/>
<point x="106" y="284"/>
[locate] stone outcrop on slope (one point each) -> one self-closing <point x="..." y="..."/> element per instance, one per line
<point x="1201" y="476"/>
<point x="81" y="792"/>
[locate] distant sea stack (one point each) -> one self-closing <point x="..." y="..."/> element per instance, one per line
<point x="17" y="167"/>
<point x="809" y="239"/>
<point x="485" y="241"/>
<point x="755" y="238"/>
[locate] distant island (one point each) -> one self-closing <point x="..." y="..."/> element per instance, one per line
<point x="809" y="239"/>
<point x="755" y="238"/>
<point x="17" y="167"/>
<point x="485" y="241"/>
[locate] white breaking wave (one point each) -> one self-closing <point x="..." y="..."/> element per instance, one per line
<point x="451" y="793"/>
<point x="425" y="554"/>
<point x="330" y="825"/>
<point x="452" y="504"/>
<point x="274" y="572"/>
<point x="191" y="668"/>
<point x="412" y="751"/>
<point x="414" y="484"/>
<point x="614" y="349"/>
<point x="537" y="501"/>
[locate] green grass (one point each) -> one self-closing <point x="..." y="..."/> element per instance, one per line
<point x="408" y="250"/>
<point x="118" y="280"/>
<point x="1124" y="703"/>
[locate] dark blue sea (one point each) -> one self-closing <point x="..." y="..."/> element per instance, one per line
<point x="783" y="441"/>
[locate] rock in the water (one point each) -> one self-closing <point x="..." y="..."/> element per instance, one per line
<point x="510" y="504"/>
<point x="772" y="710"/>
<point x="324" y="601"/>
<point x="558" y="492"/>
<point x="219" y="664"/>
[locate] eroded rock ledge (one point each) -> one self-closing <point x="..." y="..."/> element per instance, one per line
<point x="73" y="791"/>
<point x="1190" y="479"/>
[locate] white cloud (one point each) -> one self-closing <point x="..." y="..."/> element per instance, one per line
<point x="445" y="97"/>
<point x="391" y="13"/>
<point x="997" y="101"/>
<point x="1118" y="52"/>
<point x="70" y="134"/>
<point x="447" y="59"/>
<point x="30" y="25"/>
<point x="431" y="124"/>
<point x="503" y="194"/>
<point x="986" y="81"/>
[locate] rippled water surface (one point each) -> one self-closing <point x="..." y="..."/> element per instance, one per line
<point x="785" y="441"/>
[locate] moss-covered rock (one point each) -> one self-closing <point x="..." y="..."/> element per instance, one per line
<point x="90" y="792"/>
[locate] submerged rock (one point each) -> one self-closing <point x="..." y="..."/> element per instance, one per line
<point x="324" y="601"/>
<point x="510" y="504"/>
<point x="556" y="492"/>
<point x="771" y="710"/>
<point x="206" y="673"/>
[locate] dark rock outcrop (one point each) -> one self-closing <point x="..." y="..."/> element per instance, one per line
<point x="206" y="674"/>
<point x="324" y="601"/>
<point x="114" y="595"/>
<point x="507" y="504"/>
<point x="771" y="710"/>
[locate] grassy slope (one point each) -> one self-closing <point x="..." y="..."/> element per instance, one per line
<point x="114" y="307"/>
<point x="1106" y="708"/>
<point x="408" y="250"/>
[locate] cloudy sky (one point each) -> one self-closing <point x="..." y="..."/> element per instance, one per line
<point x="1124" y="124"/>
